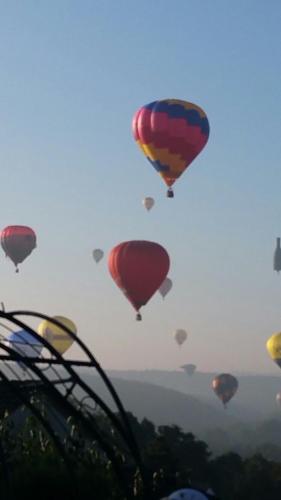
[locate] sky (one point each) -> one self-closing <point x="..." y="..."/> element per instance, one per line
<point x="72" y="76"/>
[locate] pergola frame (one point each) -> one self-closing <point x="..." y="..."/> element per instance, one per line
<point x="61" y="390"/>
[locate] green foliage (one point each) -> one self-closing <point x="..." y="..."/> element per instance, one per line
<point x="31" y="464"/>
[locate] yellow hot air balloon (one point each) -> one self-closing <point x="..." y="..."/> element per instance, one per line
<point x="274" y="348"/>
<point x="55" y="335"/>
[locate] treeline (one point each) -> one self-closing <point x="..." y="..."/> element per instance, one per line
<point x="30" y="465"/>
<point x="248" y="439"/>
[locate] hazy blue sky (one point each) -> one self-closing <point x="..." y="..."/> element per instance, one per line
<point x="72" y="75"/>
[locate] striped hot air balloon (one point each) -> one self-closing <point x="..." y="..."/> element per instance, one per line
<point x="171" y="133"/>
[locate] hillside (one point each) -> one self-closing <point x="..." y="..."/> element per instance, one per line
<point x="165" y="406"/>
<point x="255" y="398"/>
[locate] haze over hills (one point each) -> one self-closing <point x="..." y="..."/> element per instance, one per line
<point x="245" y="426"/>
<point x="165" y="406"/>
<point x="255" y="397"/>
<point x="252" y="421"/>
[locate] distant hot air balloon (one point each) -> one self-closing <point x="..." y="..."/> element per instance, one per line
<point x="171" y="133"/>
<point x="138" y="269"/>
<point x="98" y="254"/>
<point x="189" y="368"/>
<point x="165" y="287"/>
<point x="225" y="386"/>
<point x="55" y="335"/>
<point x="180" y="336"/>
<point x="274" y="348"/>
<point x="278" y="398"/>
<point x="18" y="242"/>
<point x="148" y="202"/>
<point x="277" y="256"/>
<point x="25" y="344"/>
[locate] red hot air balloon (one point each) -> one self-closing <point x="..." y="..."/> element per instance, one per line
<point x="138" y="269"/>
<point x="18" y="242"/>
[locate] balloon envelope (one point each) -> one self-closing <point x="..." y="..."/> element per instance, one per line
<point x="18" y="242"/>
<point x="274" y="348"/>
<point x="148" y="202"/>
<point x="180" y="336"/>
<point x="225" y="386"/>
<point x="278" y="398"/>
<point x="189" y="368"/>
<point x="277" y="256"/>
<point x="98" y="254"/>
<point x="170" y="133"/>
<point x="187" y="494"/>
<point x="165" y="287"/>
<point x="55" y="335"/>
<point x="25" y="344"/>
<point x="138" y="269"/>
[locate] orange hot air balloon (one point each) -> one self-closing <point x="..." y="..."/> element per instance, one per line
<point x="171" y="133"/>
<point x="225" y="386"/>
<point x="18" y="242"/>
<point x="138" y="269"/>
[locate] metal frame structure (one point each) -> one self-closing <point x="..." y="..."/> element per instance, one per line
<point x="57" y="377"/>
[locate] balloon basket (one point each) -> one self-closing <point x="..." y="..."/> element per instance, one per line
<point x="170" y="193"/>
<point x="138" y="317"/>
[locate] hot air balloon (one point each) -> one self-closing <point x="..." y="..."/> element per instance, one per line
<point x="277" y="256"/>
<point x="165" y="287"/>
<point x="55" y="335"/>
<point x="180" y="336"/>
<point x="148" y="202"/>
<point x="25" y="344"/>
<point x="98" y="254"/>
<point x="274" y="348"/>
<point x="188" y="494"/>
<point x="171" y="133"/>
<point x="189" y="368"/>
<point x="18" y="242"/>
<point x="278" y="398"/>
<point x="138" y="269"/>
<point x="225" y="386"/>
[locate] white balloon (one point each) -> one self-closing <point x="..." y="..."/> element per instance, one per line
<point x="187" y="494"/>
<point x="148" y="202"/>
<point x="180" y="336"/>
<point x="98" y="254"/>
<point x="165" y="287"/>
<point x="24" y="344"/>
<point x="278" y="398"/>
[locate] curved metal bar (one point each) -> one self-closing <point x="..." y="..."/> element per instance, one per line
<point x="87" y="423"/>
<point x="50" y="366"/>
<point x="33" y="379"/>
<point x="67" y="366"/>
<point x="133" y="444"/>
<point x="48" y="429"/>
<point x="125" y="431"/>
